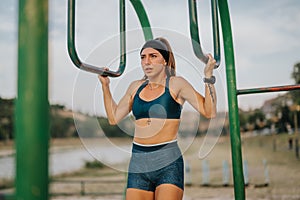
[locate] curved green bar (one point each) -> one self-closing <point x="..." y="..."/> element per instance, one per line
<point x="141" y="13"/>
<point x="195" y="33"/>
<point x="234" y="123"/>
<point x="215" y="27"/>
<point x="72" y="49"/>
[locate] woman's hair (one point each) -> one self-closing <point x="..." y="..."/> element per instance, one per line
<point x="171" y="65"/>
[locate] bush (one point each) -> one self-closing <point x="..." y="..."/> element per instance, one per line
<point x="94" y="164"/>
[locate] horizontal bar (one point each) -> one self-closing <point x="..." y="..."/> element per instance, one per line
<point x="268" y="89"/>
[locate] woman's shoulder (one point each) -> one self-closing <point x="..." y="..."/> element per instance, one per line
<point x="137" y="83"/>
<point x="178" y="81"/>
<point x="134" y="85"/>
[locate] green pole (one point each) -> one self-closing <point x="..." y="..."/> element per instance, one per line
<point x="32" y="107"/>
<point x="235" y="138"/>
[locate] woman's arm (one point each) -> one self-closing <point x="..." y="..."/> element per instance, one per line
<point x="116" y="112"/>
<point x="210" y="92"/>
<point x="205" y="105"/>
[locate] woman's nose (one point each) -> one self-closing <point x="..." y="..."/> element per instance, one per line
<point x="147" y="60"/>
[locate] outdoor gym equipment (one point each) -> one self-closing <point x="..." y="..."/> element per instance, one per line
<point x="138" y="6"/>
<point x="32" y="133"/>
<point x="72" y="48"/>
<point x="195" y="33"/>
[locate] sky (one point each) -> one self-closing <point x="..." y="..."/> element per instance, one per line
<point x="265" y="34"/>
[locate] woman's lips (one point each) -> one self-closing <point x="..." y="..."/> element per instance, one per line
<point x="148" y="69"/>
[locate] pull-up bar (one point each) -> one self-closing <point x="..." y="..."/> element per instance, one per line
<point x="239" y="186"/>
<point x="144" y="21"/>
<point x="195" y="33"/>
<point x="72" y="49"/>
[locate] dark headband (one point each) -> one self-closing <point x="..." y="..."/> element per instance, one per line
<point x="159" y="46"/>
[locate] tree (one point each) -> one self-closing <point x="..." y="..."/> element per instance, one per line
<point x="6" y="118"/>
<point x="296" y="76"/>
<point x="296" y="73"/>
<point x="257" y="118"/>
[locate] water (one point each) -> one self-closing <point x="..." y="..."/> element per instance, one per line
<point x="65" y="161"/>
<point x="7" y="167"/>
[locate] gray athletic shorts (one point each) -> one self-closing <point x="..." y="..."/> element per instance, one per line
<point x="155" y="165"/>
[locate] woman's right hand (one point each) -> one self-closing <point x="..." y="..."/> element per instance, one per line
<point x="210" y="66"/>
<point x="104" y="80"/>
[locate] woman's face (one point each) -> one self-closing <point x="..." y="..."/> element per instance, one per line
<point x="152" y="62"/>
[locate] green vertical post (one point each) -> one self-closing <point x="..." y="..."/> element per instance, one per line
<point x="32" y="107"/>
<point x="235" y="138"/>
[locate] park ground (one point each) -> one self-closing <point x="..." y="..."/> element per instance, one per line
<point x="278" y="179"/>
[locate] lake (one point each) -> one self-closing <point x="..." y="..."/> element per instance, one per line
<point x="72" y="159"/>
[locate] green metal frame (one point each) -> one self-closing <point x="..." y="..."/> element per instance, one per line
<point x="234" y="123"/>
<point x="72" y="49"/>
<point x="195" y="33"/>
<point x="233" y="92"/>
<point x="32" y="107"/>
<point x="139" y="8"/>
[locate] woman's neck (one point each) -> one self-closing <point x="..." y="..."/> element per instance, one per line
<point x="157" y="79"/>
<point x="156" y="82"/>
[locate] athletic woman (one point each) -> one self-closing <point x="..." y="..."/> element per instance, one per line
<point x="156" y="167"/>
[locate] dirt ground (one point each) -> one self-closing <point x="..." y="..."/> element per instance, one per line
<point x="273" y="172"/>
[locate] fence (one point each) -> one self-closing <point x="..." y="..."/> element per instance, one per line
<point x="87" y="187"/>
<point x="257" y="176"/>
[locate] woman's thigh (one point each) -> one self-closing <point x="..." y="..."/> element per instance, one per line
<point x="137" y="194"/>
<point x="168" y="192"/>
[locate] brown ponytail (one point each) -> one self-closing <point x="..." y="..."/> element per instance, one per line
<point x="171" y="65"/>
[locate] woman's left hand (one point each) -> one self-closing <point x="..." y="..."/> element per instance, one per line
<point x="208" y="70"/>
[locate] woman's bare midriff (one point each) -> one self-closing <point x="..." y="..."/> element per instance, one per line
<point x="155" y="131"/>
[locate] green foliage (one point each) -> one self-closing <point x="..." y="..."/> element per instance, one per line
<point x="296" y="73"/>
<point x="6" y="184"/>
<point x="115" y="130"/>
<point x="95" y="164"/>
<point x="6" y="118"/>
<point x="296" y="76"/>
<point x="88" y="127"/>
<point x="62" y="123"/>
<point x="60" y="126"/>
<point x="252" y="120"/>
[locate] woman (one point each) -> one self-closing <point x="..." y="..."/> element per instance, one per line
<point x="156" y="166"/>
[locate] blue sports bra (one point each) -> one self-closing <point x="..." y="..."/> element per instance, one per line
<point x="164" y="107"/>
